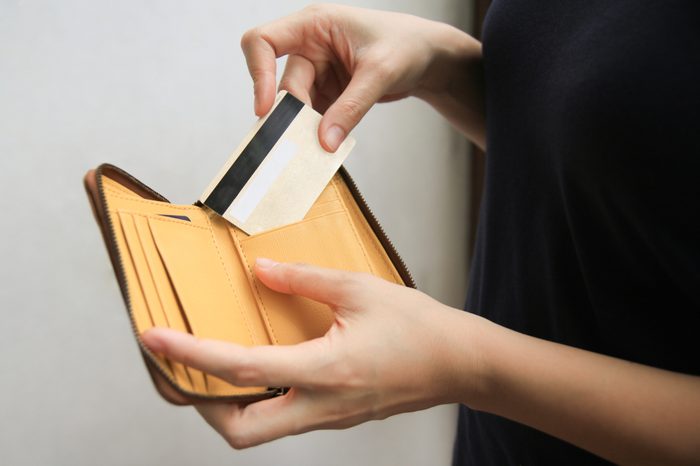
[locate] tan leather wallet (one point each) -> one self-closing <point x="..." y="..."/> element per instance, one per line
<point x="184" y="267"/>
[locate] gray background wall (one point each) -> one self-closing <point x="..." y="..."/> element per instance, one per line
<point x="160" y="88"/>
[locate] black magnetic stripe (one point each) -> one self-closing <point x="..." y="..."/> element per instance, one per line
<point x="254" y="153"/>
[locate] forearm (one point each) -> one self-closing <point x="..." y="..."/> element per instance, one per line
<point x="453" y="84"/>
<point x="625" y="412"/>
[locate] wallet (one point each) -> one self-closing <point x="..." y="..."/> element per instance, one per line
<point x="186" y="268"/>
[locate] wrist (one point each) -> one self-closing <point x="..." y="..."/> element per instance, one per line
<point x="455" y="58"/>
<point x="464" y="375"/>
<point x="453" y="82"/>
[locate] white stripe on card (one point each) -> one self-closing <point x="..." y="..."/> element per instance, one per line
<point x="256" y="188"/>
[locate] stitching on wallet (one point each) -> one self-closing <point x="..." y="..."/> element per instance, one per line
<point x="262" y="303"/>
<point x="118" y="194"/>
<point x="352" y="226"/>
<point x="218" y="252"/>
<point x="278" y="229"/>
<point x="377" y="247"/>
<point x="187" y="370"/>
<point x="322" y="204"/>
<point x="162" y="219"/>
<point x="113" y="185"/>
<point x="230" y="284"/>
<point x="238" y="244"/>
<point x="172" y="365"/>
<point x="255" y="285"/>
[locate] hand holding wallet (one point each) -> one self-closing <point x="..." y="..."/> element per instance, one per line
<point x="186" y="268"/>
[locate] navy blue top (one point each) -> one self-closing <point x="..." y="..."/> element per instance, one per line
<point x="589" y="232"/>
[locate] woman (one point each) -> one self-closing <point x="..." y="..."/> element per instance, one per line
<point x="580" y="343"/>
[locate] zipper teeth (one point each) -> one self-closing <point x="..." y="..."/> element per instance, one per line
<point x="121" y="277"/>
<point x="379" y="231"/>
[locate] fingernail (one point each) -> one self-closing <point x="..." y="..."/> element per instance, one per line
<point x="334" y="136"/>
<point x="265" y="263"/>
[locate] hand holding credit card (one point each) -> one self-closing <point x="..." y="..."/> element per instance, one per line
<point x="277" y="172"/>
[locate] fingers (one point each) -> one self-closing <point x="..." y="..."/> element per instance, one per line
<point x="307" y="33"/>
<point x="298" y="411"/>
<point x="260" y="57"/>
<point x="367" y="86"/>
<point x="337" y="288"/>
<point x="261" y="47"/>
<point x="279" y="366"/>
<point x="298" y="78"/>
<point x="260" y="422"/>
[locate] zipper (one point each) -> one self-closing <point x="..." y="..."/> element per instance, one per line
<point x="116" y="258"/>
<point x="388" y="245"/>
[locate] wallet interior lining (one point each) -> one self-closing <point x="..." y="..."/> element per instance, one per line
<point x="201" y="282"/>
<point x="325" y="237"/>
<point x="206" y="297"/>
<point x="157" y="301"/>
<point x="381" y="263"/>
<point x="313" y="241"/>
<point x="334" y="234"/>
<point x="161" y="302"/>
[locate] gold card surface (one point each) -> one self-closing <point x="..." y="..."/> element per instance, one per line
<point x="277" y="172"/>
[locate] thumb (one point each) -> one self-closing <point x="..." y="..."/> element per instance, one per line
<point x="337" y="288"/>
<point x="364" y="90"/>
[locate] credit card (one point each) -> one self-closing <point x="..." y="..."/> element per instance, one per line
<point x="277" y="172"/>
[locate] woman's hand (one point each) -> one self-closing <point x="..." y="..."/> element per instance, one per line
<point x="386" y="353"/>
<point x="343" y="60"/>
<point x="393" y="349"/>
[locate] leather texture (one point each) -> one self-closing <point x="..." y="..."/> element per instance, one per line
<point x="185" y="267"/>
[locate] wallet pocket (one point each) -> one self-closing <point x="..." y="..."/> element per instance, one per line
<point x="327" y="240"/>
<point x="182" y="285"/>
<point x="155" y="293"/>
<point x="195" y="266"/>
<point x="323" y="208"/>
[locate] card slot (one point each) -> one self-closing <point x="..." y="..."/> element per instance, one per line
<point x="195" y="268"/>
<point x="336" y="209"/>
<point x="320" y="203"/>
<point x="323" y="208"/>
<point x="146" y="283"/>
<point x="328" y="193"/>
<point x="229" y="245"/>
<point x="323" y="202"/>
<point x="120" y="200"/>
<point x="205" y="292"/>
<point x="328" y="203"/>
<point x="327" y="241"/>
<point x="139" y="248"/>
<point x="140" y="313"/>
<point x="139" y="309"/>
<point x="172" y="309"/>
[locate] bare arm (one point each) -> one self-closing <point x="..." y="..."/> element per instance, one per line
<point x="393" y="349"/>
<point x="622" y="411"/>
